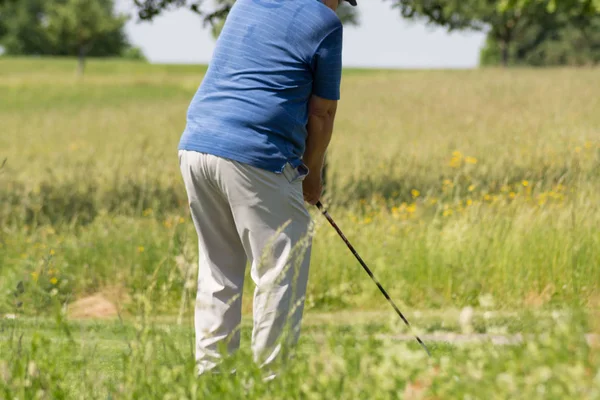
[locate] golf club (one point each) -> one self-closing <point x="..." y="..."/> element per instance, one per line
<point x="364" y="265"/>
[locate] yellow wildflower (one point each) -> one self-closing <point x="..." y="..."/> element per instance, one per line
<point x="512" y="195"/>
<point x="140" y="249"/>
<point x="471" y="160"/>
<point x="469" y="202"/>
<point x="415" y="193"/>
<point x="455" y="162"/>
<point x="471" y="188"/>
<point x="181" y="220"/>
<point x="525" y="183"/>
<point x="52" y="252"/>
<point x="456" y="159"/>
<point x="35" y="276"/>
<point x="53" y="281"/>
<point x="447" y="213"/>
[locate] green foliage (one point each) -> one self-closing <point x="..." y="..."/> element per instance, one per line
<point x="506" y="21"/>
<point x="579" y="7"/>
<point x="556" y="40"/>
<point x="22" y="29"/>
<point x="215" y="16"/>
<point x="347" y="14"/>
<point x="76" y="25"/>
<point x="134" y="53"/>
<point x="62" y="28"/>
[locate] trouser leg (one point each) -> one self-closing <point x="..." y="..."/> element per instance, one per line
<point x="222" y="261"/>
<point x="273" y="225"/>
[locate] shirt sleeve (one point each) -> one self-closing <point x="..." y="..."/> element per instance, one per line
<point x="327" y="64"/>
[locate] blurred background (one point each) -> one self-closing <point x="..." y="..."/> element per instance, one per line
<point x="464" y="167"/>
<point x="451" y="113"/>
<point x="386" y="33"/>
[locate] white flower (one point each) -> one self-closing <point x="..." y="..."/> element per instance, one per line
<point x="465" y="319"/>
<point x="487" y="301"/>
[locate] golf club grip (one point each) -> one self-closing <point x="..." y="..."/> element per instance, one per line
<point x="319" y="205"/>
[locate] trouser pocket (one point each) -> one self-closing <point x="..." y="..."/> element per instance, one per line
<point x="295" y="174"/>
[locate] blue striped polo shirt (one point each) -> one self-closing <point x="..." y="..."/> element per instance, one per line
<point x="271" y="56"/>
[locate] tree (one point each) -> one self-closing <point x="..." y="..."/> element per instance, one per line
<point x="76" y="26"/>
<point x="560" y="40"/>
<point x="21" y="28"/>
<point x="62" y="28"/>
<point x="149" y="9"/>
<point x="347" y="14"/>
<point x="573" y="7"/>
<point x="505" y="21"/>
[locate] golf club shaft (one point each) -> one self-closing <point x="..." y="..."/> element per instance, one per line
<point x="366" y="268"/>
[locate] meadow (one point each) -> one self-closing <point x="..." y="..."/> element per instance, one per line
<point x="459" y="188"/>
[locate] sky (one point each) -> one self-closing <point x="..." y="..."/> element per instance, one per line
<point x="383" y="40"/>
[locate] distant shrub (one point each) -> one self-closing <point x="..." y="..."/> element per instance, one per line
<point x="134" y="53"/>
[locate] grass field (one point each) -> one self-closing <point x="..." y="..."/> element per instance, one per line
<point x="459" y="188"/>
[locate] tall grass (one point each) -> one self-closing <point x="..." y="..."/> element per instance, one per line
<point x="337" y="359"/>
<point x="453" y="185"/>
<point x="459" y="188"/>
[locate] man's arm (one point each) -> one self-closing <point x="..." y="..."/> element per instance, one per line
<point x="320" y="128"/>
<point x="322" y="106"/>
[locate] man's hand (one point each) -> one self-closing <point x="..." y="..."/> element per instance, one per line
<point x="312" y="186"/>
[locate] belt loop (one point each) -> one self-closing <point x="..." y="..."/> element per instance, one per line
<point x="288" y="172"/>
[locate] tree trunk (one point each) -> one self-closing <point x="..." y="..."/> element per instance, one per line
<point x="505" y="37"/>
<point x="504" y="44"/>
<point x="81" y="62"/>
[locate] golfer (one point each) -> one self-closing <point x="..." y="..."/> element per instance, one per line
<point x="252" y="151"/>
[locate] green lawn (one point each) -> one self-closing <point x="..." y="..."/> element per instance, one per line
<point x="459" y="188"/>
<point x="344" y="357"/>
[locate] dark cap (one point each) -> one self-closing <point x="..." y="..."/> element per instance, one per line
<point x="352" y="2"/>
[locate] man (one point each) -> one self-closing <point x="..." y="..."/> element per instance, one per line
<point x="252" y="151"/>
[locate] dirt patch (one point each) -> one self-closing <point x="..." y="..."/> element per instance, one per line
<point x="537" y="300"/>
<point x="96" y="306"/>
<point x="416" y="390"/>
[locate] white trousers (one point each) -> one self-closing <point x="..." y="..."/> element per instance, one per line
<point x="245" y="213"/>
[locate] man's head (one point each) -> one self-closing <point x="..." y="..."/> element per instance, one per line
<point x="333" y="4"/>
